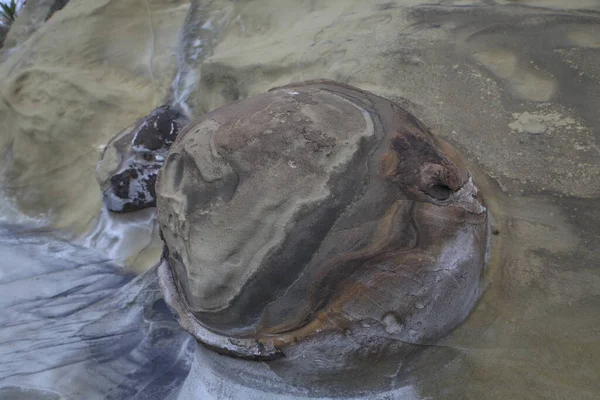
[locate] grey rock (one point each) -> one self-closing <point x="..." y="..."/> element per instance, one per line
<point x="315" y="209"/>
<point x="33" y="15"/>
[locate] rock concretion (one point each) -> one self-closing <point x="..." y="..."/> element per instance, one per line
<point x="316" y="211"/>
<point x="130" y="162"/>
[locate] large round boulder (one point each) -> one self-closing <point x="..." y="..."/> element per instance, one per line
<point x="318" y="211"/>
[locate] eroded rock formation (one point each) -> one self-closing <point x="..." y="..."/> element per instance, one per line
<point x="32" y="16"/>
<point x="130" y="162"/>
<point x="314" y="208"/>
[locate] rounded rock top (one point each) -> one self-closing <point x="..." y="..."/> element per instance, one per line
<point x="317" y="210"/>
<point x="127" y="170"/>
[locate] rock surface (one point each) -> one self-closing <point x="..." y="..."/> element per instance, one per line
<point x="130" y="162"/>
<point x="513" y="85"/>
<point x="87" y="73"/>
<point x="318" y="207"/>
<point x="32" y="16"/>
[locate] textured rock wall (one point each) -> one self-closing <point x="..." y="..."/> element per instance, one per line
<point x="31" y="17"/>
<point x="84" y="75"/>
<point x="445" y="59"/>
<point x="96" y="66"/>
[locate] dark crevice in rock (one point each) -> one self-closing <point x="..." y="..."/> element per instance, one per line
<point x="56" y="6"/>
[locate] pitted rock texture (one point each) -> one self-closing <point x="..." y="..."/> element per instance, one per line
<point x="316" y="207"/>
<point x="130" y="162"/>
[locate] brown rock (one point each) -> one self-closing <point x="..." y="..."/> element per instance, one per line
<point x="315" y="208"/>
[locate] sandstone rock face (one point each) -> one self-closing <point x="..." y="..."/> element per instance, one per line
<point x="3" y="32"/>
<point x="318" y="207"/>
<point x="31" y="17"/>
<point x="88" y="72"/>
